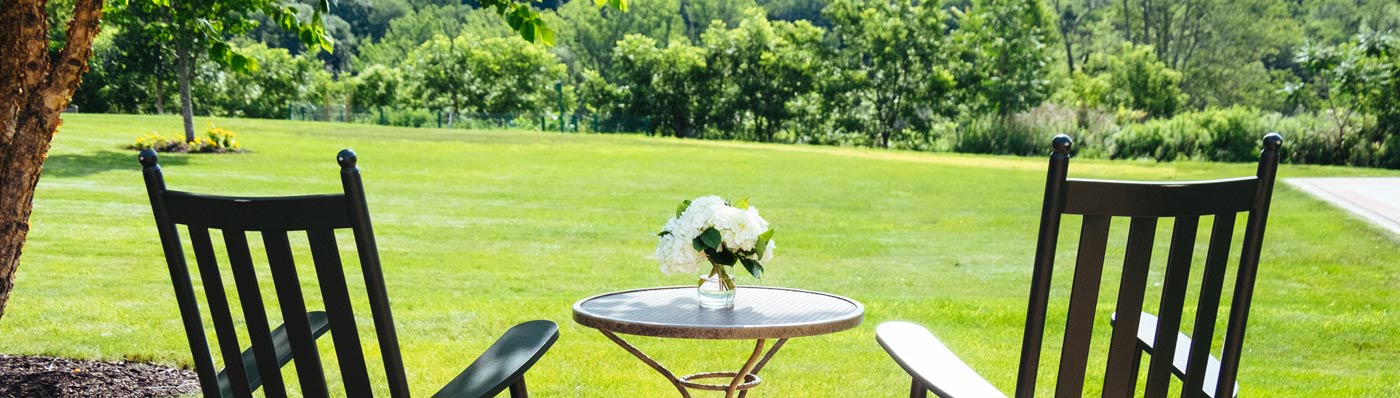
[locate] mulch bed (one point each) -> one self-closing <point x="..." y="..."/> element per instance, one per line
<point x="32" y="376"/>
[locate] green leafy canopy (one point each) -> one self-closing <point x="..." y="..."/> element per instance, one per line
<point x="526" y="21"/>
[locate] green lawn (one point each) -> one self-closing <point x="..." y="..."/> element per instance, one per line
<point x="480" y="230"/>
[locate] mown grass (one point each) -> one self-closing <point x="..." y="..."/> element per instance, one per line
<point x="480" y="230"/>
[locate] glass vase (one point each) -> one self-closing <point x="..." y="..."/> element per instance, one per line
<point x="716" y="289"/>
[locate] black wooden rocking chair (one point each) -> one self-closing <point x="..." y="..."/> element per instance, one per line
<point x="935" y="368"/>
<point x="500" y="367"/>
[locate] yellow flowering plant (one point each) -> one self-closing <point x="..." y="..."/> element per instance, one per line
<point x="215" y="140"/>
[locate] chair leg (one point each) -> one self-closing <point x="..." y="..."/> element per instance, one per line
<point x="917" y="390"/>
<point x="517" y="390"/>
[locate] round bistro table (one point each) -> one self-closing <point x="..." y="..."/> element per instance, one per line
<point x="759" y="313"/>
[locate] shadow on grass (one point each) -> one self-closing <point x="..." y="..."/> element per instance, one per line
<point x="85" y="164"/>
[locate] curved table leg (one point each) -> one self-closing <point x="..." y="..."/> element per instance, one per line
<point x="744" y="372"/>
<point x="685" y="393"/>
<point x="764" y="361"/>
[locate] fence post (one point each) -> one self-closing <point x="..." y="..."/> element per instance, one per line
<point x="559" y="87"/>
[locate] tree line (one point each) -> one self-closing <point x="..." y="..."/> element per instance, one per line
<point x="1126" y="77"/>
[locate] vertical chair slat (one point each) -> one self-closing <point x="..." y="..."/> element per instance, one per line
<point x="1118" y="382"/>
<point x="284" y="278"/>
<point x="374" y="275"/>
<point x="1159" y="371"/>
<point x="1239" y="307"/>
<point x="331" y="276"/>
<point x="259" y="329"/>
<point x="1088" y="270"/>
<point x="1048" y="238"/>
<point x="1213" y="280"/>
<point x="219" y="311"/>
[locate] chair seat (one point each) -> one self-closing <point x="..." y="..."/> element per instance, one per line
<point x="1147" y="336"/>
<point x="283" y="347"/>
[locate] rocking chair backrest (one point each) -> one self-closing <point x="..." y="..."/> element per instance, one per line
<point x="273" y="218"/>
<point x="1145" y="203"/>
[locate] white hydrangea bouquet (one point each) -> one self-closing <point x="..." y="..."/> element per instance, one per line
<point x="710" y="230"/>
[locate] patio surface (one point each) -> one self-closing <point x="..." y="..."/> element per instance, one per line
<point x="1375" y="199"/>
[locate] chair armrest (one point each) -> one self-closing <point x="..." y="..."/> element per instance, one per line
<point x="505" y="362"/>
<point x="931" y="363"/>
<point x="1147" y="337"/>
<point x="281" y="345"/>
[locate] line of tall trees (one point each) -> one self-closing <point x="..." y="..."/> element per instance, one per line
<point x="968" y="75"/>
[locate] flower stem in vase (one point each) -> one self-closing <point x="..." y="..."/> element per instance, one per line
<point x="717" y="289"/>
<point x="725" y="281"/>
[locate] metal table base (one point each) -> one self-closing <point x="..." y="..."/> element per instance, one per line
<point x="740" y="382"/>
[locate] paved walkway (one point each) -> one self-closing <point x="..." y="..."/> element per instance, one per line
<point x="1375" y="199"/>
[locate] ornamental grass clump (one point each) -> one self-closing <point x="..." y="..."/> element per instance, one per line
<point x="710" y="230"/>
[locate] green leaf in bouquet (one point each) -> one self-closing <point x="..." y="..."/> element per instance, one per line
<point x="762" y="245"/>
<point x="681" y="209"/>
<point x="698" y="244"/>
<point x="742" y="204"/>
<point x="711" y="238"/>
<point x="663" y="233"/>
<point x="721" y="257"/>
<point x="753" y="267"/>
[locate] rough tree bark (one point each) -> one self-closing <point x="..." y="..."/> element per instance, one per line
<point x="34" y="90"/>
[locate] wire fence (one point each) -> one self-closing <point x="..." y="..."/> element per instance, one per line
<point x="448" y="119"/>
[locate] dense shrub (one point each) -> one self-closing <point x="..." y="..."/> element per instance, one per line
<point x="1308" y="139"/>
<point x="1232" y="134"/>
<point x="1390" y="153"/>
<point x="1162" y="139"/>
<point x="410" y="117"/>
<point x="1228" y="135"/>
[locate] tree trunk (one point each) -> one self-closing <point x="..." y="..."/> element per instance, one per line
<point x="1065" y="27"/>
<point x="185" y="65"/>
<point x="685" y="21"/>
<point x="33" y="93"/>
<point x="1147" y="25"/>
<point x="349" y="112"/>
<point x="1127" y="22"/>
<point x="160" y="95"/>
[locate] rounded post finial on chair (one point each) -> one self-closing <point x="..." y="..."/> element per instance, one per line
<point x="1062" y="144"/>
<point x="148" y="157"/>
<point x="346" y="158"/>
<point x="1272" y="142"/>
